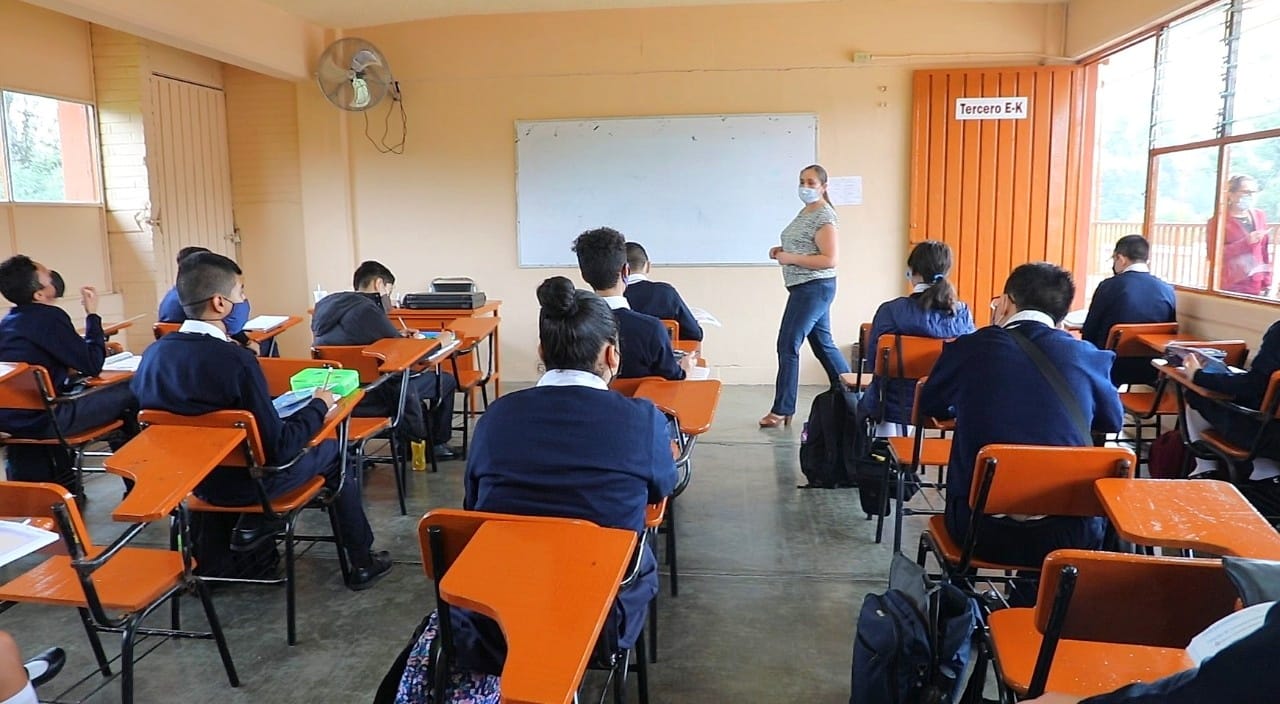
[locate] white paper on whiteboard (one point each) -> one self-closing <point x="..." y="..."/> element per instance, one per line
<point x="845" y="190"/>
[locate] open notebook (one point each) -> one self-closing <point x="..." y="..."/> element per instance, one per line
<point x="265" y="322"/>
<point x="123" y="362"/>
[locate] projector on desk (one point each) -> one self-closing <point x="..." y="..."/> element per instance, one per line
<point x="446" y="293"/>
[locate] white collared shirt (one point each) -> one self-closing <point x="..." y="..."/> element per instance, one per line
<point x="1033" y="316"/>
<point x="616" y="302"/>
<point x="1138" y="266"/>
<point x="637" y="277"/>
<point x="200" y="327"/>
<point x="921" y="288"/>
<point x="572" y="377"/>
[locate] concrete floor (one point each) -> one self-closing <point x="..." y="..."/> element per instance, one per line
<point x="771" y="579"/>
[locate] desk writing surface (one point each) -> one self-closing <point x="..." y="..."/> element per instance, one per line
<point x="693" y="403"/>
<point x="472" y="330"/>
<point x="271" y="333"/>
<point x="1190" y="514"/>
<point x="1157" y="341"/>
<point x="167" y="462"/>
<point x="335" y="416"/>
<point x="395" y="354"/>
<point x="1180" y="377"/>
<point x="550" y="587"/>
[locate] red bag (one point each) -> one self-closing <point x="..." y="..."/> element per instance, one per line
<point x="1167" y="457"/>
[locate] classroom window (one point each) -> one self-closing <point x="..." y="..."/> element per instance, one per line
<point x="49" y="149"/>
<point x="1180" y="114"/>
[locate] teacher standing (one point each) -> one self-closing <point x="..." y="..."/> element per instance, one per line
<point x="808" y="257"/>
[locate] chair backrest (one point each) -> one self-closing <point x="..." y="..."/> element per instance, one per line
<point x="252" y="454"/>
<point x="350" y="357"/>
<point x="926" y="422"/>
<point x="1135" y="599"/>
<point x="1123" y="337"/>
<point x="30" y="389"/>
<point x="280" y="370"/>
<point x="627" y="386"/>
<point x="673" y="328"/>
<point x="1041" y="480"/>
<point x="458" y="526"/>
<point x="1271" y="399"/>
<point x="906" y="356"/>
<point x="162" y="329"/>
<point x="37" y="500"/>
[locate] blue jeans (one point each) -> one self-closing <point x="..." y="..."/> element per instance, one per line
<point x="808" y="314"/>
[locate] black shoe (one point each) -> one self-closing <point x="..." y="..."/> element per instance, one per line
<point x="252" y="529"/>
<point x="364" y="577"/>
<point x="443" y="452"/>
<point x="45" y="666"/>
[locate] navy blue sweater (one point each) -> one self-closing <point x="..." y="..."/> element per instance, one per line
<point x="42" y="334"/>
<point x="645" y="346"/>
<point x="573" y="452"/>
<point x="191" y="374"/>
<point x="905" y="317"/>
<point x="1129" y="297"/>
<point x="661" y="300"/>
<point x="997" y="394"/>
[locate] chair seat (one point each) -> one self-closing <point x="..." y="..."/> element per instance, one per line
<point x="78" y="439"/>
<point x="1139" y="403"/>
<point x="471" y="378"/>
<point x="131" y="580"/>
<point x="934" y="452"/>
<point x="951" y="550"/>
<point x="285" y="503"/>
<point x="359" y="429"/>
<point x="1227" y="448"/>
<point x="1080" y="668"/>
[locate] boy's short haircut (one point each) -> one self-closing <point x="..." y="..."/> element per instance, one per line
<point x="202" y="276"/>
<point x="637" y="258"/>
<point x="1135" y="248"/>
<point x="188" y="251"/>
<point x="602" y="253"/>
<point x="19" y="279"/>
<point x="59" y="285"/>
<point x="368" y="271"/>
<point x="1042" y="286"/>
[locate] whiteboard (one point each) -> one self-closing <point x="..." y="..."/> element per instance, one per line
<point x="694" y="190"/>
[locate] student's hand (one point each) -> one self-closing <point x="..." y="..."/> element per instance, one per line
<point x="1191" y="364"/>
<point x="89" y="299"/>
<point x="325" y="395"/>
<point x="1053" y="698"/>
<point x="688" y="362"/>
<point x="774" y="251"/>
<point x="408" y="333"/>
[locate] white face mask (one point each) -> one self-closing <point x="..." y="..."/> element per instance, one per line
<point x="1244" y="202"/>
<point x="809" y="195"/>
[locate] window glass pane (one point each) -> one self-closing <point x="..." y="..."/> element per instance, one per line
<point x="1256" y="102"/>
<point x="1123" y="128"/>
<point x="1191" y="78"/>
<point x="1251" y="207"/>
<point x="50" y="149"/>
<point x="1185" y="189"/>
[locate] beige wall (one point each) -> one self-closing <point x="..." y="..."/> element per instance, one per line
<point x="447" y="207"/>
<point x="1093" y="24"/>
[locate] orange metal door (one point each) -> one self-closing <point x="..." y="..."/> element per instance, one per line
<point x="1003" y="192"/>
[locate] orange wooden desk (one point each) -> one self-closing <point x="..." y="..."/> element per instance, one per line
<point x="396" y="354"/>
<point x="1191" y="514"/>
<point x="107" y="378"/>
<point x="550" y="587"/>
<point x="693" y="403"/>
<point x="686" y="346"/>
<point x="337" y="414"/>
<point x="1180" y="377"/>
<point x="166" y="462"/>
<point x="440" y="319"/>
<point x="1158" y="341"/>
<point x="260" y="336"/>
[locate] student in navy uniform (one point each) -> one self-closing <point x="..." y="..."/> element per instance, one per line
<point x="1133" y="295"/>
<point x="36" y="331"/>
<point x="1262" y="485"/>
<point x="195" y="371"/>
<point x="656" y="298"/>
<point x="930" y="311"/>
<point x="171" y="311"/>
<point x="1241" y="673"/>
<point x="569" y="447"/>
<point x="997" y="394"/>
<point x="359" y="317"/>
<point x="646" y="346"/>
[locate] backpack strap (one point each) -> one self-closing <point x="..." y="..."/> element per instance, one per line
<point x="1055" y="379"/>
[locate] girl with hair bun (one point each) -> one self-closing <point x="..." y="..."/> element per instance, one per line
<point x="567" y="447"/>
<point x="931" y="310"/>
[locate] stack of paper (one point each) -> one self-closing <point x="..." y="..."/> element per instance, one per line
<point x="265" y="322"/>
<point x="123" y="362"/>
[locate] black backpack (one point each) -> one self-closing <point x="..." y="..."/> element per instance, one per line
<point x="829" y="442"/>
<point x="870" y="473"/>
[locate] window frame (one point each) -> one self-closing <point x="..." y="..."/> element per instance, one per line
<point x="1221" y="142"/>
<point x="95" y="154"/>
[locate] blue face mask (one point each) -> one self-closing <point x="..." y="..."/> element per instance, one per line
<point x="238" y="316"/>
<point x="809" y="195"/>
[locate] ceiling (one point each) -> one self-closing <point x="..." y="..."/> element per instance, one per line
<point x="364" y="13"/>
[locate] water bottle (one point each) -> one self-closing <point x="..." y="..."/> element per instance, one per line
<point x="419" y="452"/>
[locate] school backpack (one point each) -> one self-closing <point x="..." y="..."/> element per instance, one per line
<point x="871" y="470"/>
<point x="1167" y="456"/>
<point x="913" y="643"/>
<point x="828" y="444"/>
